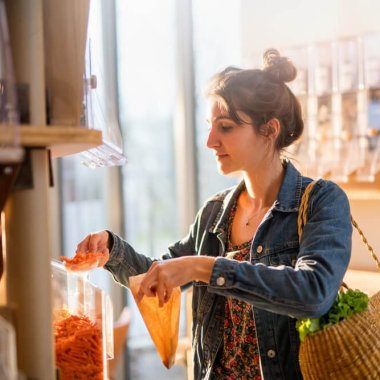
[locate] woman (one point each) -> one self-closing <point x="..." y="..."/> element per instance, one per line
<point x="251" y="276"/>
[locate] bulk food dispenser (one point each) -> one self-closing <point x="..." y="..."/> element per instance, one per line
<point x="82" y="326"/>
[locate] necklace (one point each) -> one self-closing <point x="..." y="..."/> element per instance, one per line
<point x="248" y="220"/>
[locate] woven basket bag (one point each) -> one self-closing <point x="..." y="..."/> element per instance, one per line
<point x="349" y="349"/>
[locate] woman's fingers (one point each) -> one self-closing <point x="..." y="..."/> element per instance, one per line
<point x="146" y="290"/>
<point x="98" y="241"/>
<point x="163" y="276"/>
<point x="94" y="242"/>
<point x="155" y="284"/>
<point x="161" y="293"/>
<point x="158" y="291"/>
<point x="83" y="245"/>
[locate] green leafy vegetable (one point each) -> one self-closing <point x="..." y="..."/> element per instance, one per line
<point x="346" y="304"/>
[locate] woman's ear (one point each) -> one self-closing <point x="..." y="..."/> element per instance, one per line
<point x="271" y="129"/>
<point x="274" y="129"/>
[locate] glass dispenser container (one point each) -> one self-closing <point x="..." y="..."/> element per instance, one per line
<point x="82" y="325"/>
<point x="78" y="75"/>
<point x="10" y="150"/>
<point x="99" y="110"/>
<point x="8" y="361"/>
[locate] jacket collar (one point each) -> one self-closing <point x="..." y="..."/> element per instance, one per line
<point x="288" y="199"/>
<point x="229" y="199"/>
<point x="290" y="193"/>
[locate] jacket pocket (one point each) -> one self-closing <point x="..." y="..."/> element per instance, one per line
<point x="283" y="254"/>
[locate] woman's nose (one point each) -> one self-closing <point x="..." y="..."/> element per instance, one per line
<point x="212" y="139"/>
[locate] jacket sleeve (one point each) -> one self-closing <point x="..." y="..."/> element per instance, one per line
<point x="309" y="288"/>
<point x="125" y="261"/>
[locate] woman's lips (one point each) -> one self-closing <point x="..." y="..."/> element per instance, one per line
<point x="220" y="156"/>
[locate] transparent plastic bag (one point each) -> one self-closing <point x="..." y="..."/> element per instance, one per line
<point x="161" y="322"/>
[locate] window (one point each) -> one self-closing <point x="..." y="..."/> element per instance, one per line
<point x="146" y="86"/>
<point x="216" y="45"/>
<point x="146" y="80"/>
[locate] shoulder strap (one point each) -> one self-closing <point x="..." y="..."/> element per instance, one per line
<point x="302" y="212"/>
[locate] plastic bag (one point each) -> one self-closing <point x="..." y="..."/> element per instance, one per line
<point x="162" y="322"/>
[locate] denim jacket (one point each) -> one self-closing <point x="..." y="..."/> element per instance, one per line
<point x="284" y="280"/>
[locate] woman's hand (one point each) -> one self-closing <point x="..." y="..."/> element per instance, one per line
<point x="163" y="276"/>
<point x="92" y="252"/>
<point x="94" y="242"/>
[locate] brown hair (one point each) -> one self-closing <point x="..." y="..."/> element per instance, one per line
<point x="262" y="95"/>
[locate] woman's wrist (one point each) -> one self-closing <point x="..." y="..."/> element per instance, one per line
<point x="203" y="266"/>
<point x="109" y="240"/>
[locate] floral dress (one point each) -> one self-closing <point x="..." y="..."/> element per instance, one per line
<point x="239" y="357"/>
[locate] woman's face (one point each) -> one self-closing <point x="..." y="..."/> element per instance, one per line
<point x="237" y="147"/>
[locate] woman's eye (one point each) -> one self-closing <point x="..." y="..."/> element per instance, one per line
<point x="225" y="128"/>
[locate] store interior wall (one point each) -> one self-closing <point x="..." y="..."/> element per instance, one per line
<point x="299" y="22"/>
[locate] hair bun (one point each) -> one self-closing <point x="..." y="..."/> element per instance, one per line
<point x="281" y="69"/>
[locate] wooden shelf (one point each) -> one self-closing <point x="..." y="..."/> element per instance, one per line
<point x="362" y="190"/>
<point x="61" y="140"/>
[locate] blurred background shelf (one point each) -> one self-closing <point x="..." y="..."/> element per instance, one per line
<point x="61" y="140"/>
<point x="361" y="190"/>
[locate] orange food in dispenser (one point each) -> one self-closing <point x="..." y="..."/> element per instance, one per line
<point x="78" y="348"/>
<point x="162" y="322"/>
